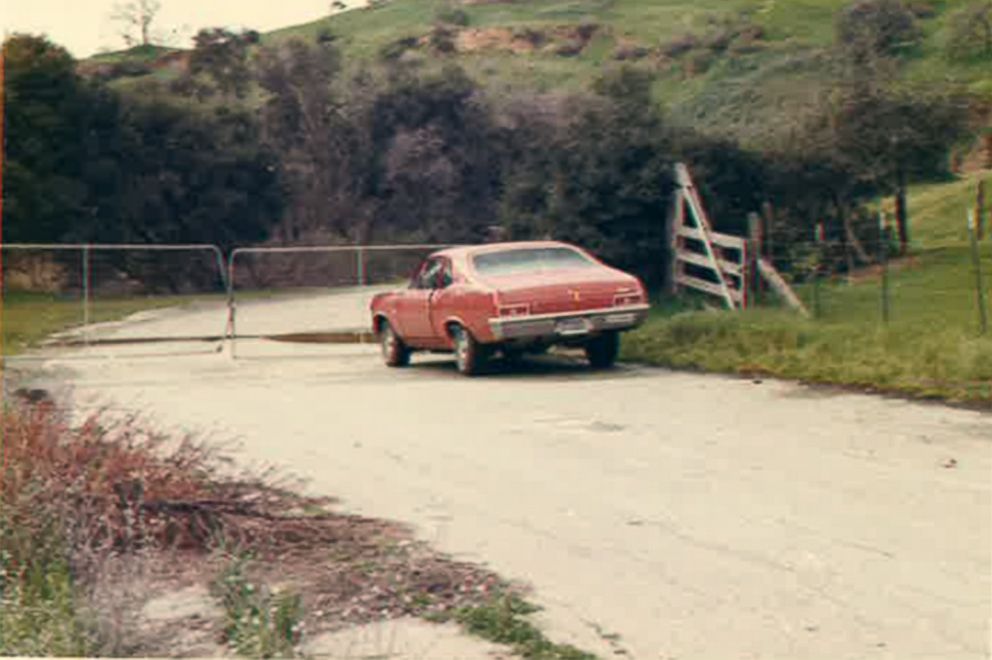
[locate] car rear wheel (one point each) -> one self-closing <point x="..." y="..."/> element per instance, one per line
<point x="469" y="354"/>
<point x="394" y="351"/>
<point x="603" y="350"/>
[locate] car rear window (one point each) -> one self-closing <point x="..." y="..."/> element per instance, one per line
<point x="529" y="260"/>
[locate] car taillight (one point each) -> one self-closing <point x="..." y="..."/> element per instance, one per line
<point x="624" y="299"/>
<point x="514" y="310"/>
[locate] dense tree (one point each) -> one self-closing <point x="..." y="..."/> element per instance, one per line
<point x="47" y="112"/>
<point x="604" y="179"/>
<point x="219" y="62"/>
<point x="83" y="164"/>
<point x="437" y="170"/>
<point x="322" y="146"/>
<point x="891" y="137"/>
<point x="187" y="177"/>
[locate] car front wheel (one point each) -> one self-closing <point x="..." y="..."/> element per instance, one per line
<point x="469" y="354"/>
<point x="394" y="351"/>
<point x="603" y="350"/>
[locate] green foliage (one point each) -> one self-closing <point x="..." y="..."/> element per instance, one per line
<point x="39" y="604"/>
<point x="47" y="110"/>
<point x="970" y="32"/>
<point x="221" y="56"/>
<point x="601" y="178"/>
<point x="502" y="621"/>
<point x="436" y="152"/>
<point x="258" y="623"/>
<point x="84" y="164"/>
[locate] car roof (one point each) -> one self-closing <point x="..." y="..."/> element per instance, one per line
<point x="463" y="251"/>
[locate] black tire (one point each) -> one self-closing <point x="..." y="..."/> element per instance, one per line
<point x="469" y="354"/>
<point x="602" y="351"/>
<point x="394" y="352"/>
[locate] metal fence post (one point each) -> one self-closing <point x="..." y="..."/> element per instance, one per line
<point x="360" y="256"/>
<point x="753" y="255"/>
<point x="884" y="261"/>
<point x="232" y="307"/>
<point x="86" y="294"/>
<point x="817" y="268"/>
<point x="976" y="258"/>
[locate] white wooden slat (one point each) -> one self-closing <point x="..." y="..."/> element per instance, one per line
<point x="723" y="240"/>
<point x="777" y="282"/>
<point x="708" y="287"/>
<point x="697" y="259"/>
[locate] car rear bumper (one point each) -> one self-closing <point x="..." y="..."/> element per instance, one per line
<point x="568" y="325"/>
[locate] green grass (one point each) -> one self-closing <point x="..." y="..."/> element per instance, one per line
<point x="930" y="348"/>
<point x="135" y="54"/>
<point x="39" y="606"/>
<point x="30" y="317"/>
<point x="503" y="621"/>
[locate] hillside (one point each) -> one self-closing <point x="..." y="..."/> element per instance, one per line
<point x="737" y="67"/>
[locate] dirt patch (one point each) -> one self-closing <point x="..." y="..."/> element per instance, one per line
<point x="26" y="271"/>
<point x="565" y="40"/>
<point x="474" y="40"/>
<point x="348" y="571"/>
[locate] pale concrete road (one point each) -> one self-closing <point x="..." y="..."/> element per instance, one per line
<point x="690" y="516"/>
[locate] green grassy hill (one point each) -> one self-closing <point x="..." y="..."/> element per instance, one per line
<point x="729" y="66"/>
<point x="723" y="65"/>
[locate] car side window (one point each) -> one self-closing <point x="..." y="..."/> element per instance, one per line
<point x="447" y="276"/>
<point x="428" y="275"/>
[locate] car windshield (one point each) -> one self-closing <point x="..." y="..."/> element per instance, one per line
<point x="529" y="260"/>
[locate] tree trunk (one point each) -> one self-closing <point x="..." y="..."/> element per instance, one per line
<point x="902" y="215"/>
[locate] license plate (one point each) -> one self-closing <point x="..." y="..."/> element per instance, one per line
<point x="572" y="327"/>
<point x="620" y="318"/>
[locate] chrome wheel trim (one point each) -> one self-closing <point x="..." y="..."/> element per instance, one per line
<point x="388" y="342"/>
<point x="461" y="349"/>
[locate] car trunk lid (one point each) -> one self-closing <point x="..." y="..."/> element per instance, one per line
<point x="561" y="291"/>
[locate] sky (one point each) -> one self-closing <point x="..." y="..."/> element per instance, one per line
<point x="84" y="26"/>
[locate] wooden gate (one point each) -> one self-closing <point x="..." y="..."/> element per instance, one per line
<point x="725" y="264"/>
<point x="722" y="256"/>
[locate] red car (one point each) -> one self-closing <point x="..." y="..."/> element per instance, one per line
<point x="513" y="298"/>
